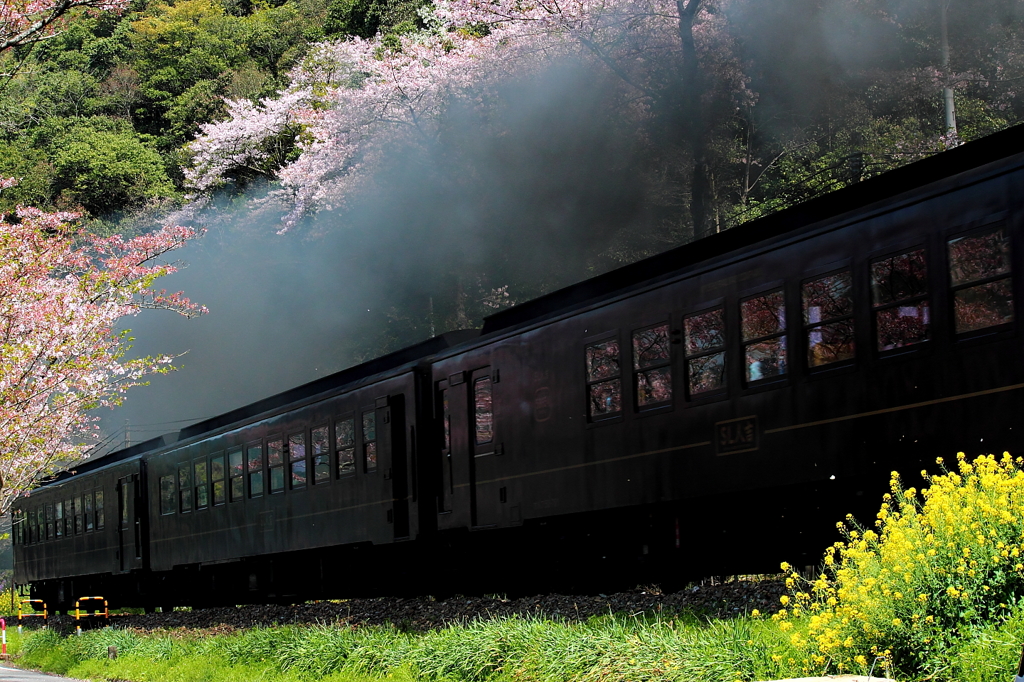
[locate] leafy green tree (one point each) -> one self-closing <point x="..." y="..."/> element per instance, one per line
<point x="105" y="166"/>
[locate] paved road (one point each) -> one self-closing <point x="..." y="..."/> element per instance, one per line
<point x="15" y="675"/>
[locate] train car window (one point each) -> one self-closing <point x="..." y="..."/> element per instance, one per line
<point x="446" y="421"/>
<point x="90" y="524"/>
<point x="345" y="444"/>
<point x="604" y="387"/>
<point x="483" y="410"/>
<point x="236" y="469"/>
<point x="100" y="519"/>
<point x="69" y="514"/>
<point x="321" y="455"/>
<point x="78" y="516"/>
<point x="200" y="480"/>
<point x="49" y="522"/>
<point x="217" y="475"/>
<point x="652" y="373"/>
<point x="275" y="460"/>
<point x="979" y="272"/>
<point x="899" y="298"/>
<point x="763" y="327"/>
<point x="297" y="459"/>
<point x="58" y="518"/>
<point x="705" y="351"/>
<point x="369" y="441"/>
<point x="254" y="465"/>
<point x="167" y="503"/>
<point x="31" y="524"/>
<point x="185" y="487"/>
<point x="828" y="319"/>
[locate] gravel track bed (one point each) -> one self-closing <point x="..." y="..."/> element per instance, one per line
<point x="721" y="600"/>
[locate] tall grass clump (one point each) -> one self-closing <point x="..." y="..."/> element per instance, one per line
<point x="943" y="566"/>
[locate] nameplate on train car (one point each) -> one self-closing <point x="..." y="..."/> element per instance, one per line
<point x="736" y="435"/>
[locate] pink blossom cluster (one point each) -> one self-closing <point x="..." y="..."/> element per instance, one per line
<point x="26" y="21"/>
<point x="62" y="294"/>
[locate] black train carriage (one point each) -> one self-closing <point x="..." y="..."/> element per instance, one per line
<point x="289" y="498"/>
<point x="71" y="536"/>
<point x="718" y="408"/>
<point x="714" y="409"/>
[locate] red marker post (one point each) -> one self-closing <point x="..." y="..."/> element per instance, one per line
<point x="3" y="640"/>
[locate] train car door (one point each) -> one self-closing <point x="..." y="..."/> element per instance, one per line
<point x="129" y="525"/>
<point x="444" y="405"/>
<point x="391" y="434"/>
<point x="485" y="488"/>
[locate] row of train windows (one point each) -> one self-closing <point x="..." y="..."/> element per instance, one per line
<point x="260" y="468"/>
<point x="979" y="275"/>
<point x="74" y="516"/>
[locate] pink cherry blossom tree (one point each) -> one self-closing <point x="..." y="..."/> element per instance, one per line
<point x="351" y="100"/>
<point x="29" y="21"/>
<point x="62" y="296"/>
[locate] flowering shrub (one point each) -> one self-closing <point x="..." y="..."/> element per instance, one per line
<point x="942" y="564"/>
<point x="63" y="296"/>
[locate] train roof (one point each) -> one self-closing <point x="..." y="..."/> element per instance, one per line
<point x="346" y="376"/>
<point x="940" y="166"/>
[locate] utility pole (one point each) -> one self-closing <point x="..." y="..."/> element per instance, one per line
<point x="947" y="92"/>
<point x="127" y="434"/>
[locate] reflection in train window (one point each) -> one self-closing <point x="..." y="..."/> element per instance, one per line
<point x="254" y="465"/>
<point x="236" y="470"/>
<point x="979" y="269"/>
<point x="200" y="480"/>
<point x="447" y="421"/>
<point x="483" y="411"/>
<point x="275" y="460"/>
<point x="185" y="487"/>
<point x="69" y="513"/>
<point x="604" y="393"/>
<point x="89" y="524"/>
<point x="321" y="455"/>
<point x="100" y="520"/>
<point x="763" y="327"/>
<point x="166" y="495"/>
<point x="217" y="475"/>
<point x="297" y="459"/>
<point x="899" y="298"/>
<point x="828" y="319"/>
<point x="705" y="351"/>
<point x="653" y="376"/>
<point x="369" y="441"/>
<point x="49" y="522"/>
<point x="58" y="516"/>
<point x="345" y="444"/>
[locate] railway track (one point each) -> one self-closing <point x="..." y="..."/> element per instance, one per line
<point x="719" y="600"/>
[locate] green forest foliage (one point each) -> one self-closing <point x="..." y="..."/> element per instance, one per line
<point x="96" y="118"/>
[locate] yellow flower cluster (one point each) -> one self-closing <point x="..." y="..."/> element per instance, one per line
<point x="940" y="561"/>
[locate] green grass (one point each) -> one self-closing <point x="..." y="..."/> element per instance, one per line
<point x="511" y="649"/>
<point x="524" y="649"/>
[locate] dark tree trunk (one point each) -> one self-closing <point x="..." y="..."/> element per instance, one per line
<point x="694" y="128"/>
